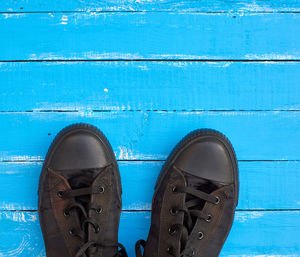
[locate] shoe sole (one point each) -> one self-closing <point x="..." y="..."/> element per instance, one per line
<point x="63" y="133"/>
<point x="189" y="139"/>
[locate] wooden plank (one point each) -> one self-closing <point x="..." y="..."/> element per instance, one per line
<point x="86" y="36"/>
<point x="162" y="5"/>
<point x="273" y="233"/>
<point x="145" y="85"/>
<point x="257" y="183"/>
<point x="152" y="135"/>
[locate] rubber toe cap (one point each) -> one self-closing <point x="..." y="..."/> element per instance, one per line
<point x="79" y="149"/>
<point x="207" y="158"/>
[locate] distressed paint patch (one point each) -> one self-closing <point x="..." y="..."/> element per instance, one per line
<point x="64" y="20"/>
<point x="125" y="153"/>
<point x="219" y="64"/>
<point x="254" y="7"/>
<point x="140" y="206"/>
<point x="143" y="67"/>
<point x="246" y="216"/>
<point x="13" y="206"/>
<point x="25" y="243"/>
<point x="20" y="157"/>
<point x="19" y="216"/>
<point x="11" y="15"/>
<point x="269" y="56"/>
<point x="90" y="55"/>
<point x="184" y="57"/>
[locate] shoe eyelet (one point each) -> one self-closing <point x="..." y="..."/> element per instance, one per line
<point x="173" y="211"/>
<point x="101" y="189"/>
<point x="190" y="253"/>
<point x="200" y="235"/>
<point x="71" y="232"/>
<point x="169" y="249"/>
<point x="97" y="229"/>
<point x="60" y="194"/>
<point x="66" y="213"/>
<point x="99" y="210"/>
<point x="173" y="230"/>
<point x="217" y="200"/>
<point x="209" y="218"/>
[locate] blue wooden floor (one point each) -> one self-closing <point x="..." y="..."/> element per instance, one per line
<point x="146" y="73"/>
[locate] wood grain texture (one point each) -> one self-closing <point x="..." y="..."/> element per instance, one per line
<point x="152" y="135"/>
<point x="257" y="183"/>
<point x="253" y="234"/>
<point x="146" y="73"/>
<point x="149" y="86"/>
<point x="162" y="5"/>
<point x="89" y="36"/>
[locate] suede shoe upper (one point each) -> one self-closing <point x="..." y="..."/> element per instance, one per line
<point x="80" y="195"/>
<point x="194" y="203"/>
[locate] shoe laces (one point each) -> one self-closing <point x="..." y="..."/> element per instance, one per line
<point x="82" y="250"/>
<point x="192" y="210"/>
<point x="82" y="196"/>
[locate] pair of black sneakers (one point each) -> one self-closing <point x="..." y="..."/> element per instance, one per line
<point x="80" y="197"/>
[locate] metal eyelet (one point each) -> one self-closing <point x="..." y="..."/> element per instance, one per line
<point x="173" y="230"/>
<point x="60" y="194"/>
<point x="71" y="232"/>
<point x="99" y="210"/>
<point x="97" y="229"/>
<point x="101" y="189"/>
<point x="173" y="211"/>
<point x="217" y="200"/>
<point x="200" y="235"/>
<point x="66" y="213"/>
<point x="191" y="253"/>
<point x="169" y="250"/>
<point x="209" y="218"/>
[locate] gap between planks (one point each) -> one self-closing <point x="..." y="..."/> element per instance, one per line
<point x="138" y="110"/>
<point x="152" y="60"/>
<point x="152" y="11"/>
<point x="142" y="160"/>
<point x="130" y="211"/>
<point x="186" y="6"/>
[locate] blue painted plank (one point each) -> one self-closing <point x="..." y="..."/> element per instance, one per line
<point x="265" y="233"/>
<point x="162" y="5"/>
<point x="263" y="185"/>
<point x="145" y="85"/>
<point x="85" y="36"/>
<point x="152" y="135"/>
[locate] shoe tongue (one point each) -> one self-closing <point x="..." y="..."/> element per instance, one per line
<point x="200" y="184"/>
<point x="79" y="178"/>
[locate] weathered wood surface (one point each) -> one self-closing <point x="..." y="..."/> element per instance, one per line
<point x="152" y="135"/>
<point x="192" y="36"/>
<point x="147" y="73"/>
<point x="149" y="86"/>
<point x="161" y="5"/>
<point x="263" y="185"/>
<point x="262" y="233"/>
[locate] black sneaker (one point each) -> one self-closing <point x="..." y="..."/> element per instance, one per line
<point x="195" y="199"/>
<point x="80" y="195"/>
